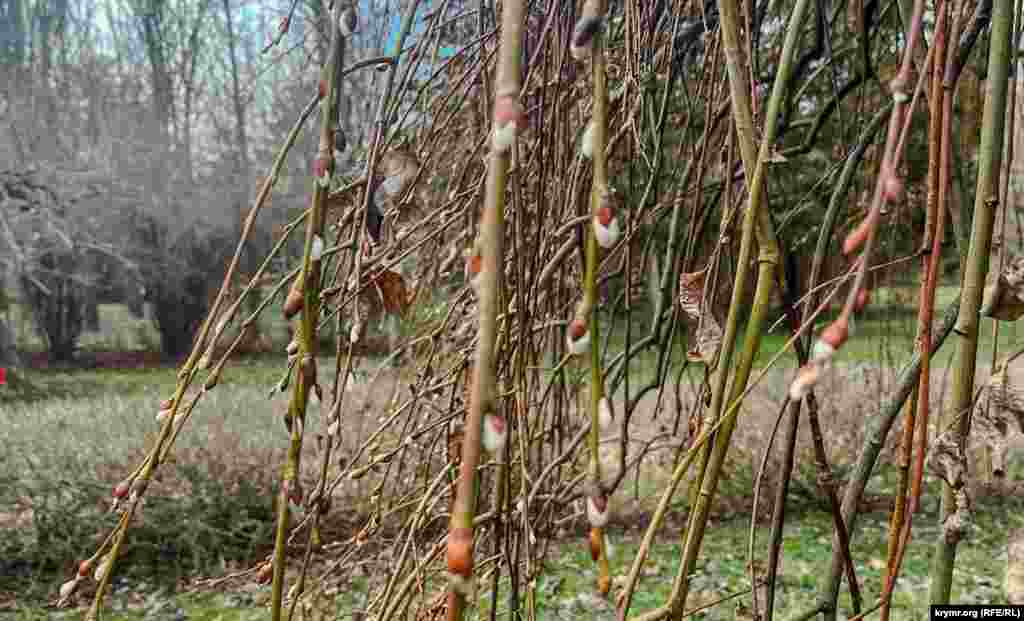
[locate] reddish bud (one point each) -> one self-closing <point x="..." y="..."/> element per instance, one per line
<point x="577" y="329"/>
<point x="84" y="568"/>
<point x="507" y="109"/>
<point x="460" y="552"/>
<point x="322" y="89"/>
<point x="293" y="492"/>
<point x="474" y="264"/>
<point x="495" y="432"/>
<point x="121" y="489"/>
<point x="596" y="538"/>
<point x="836" y="333"/>
<point x="863" y="299"/>
<point x="320" y="167"/>
<point x="265" y="573"/>
<point x="597" y="510"/>
<point x="857" y="237"/>
<point x="892" y="188"/>
<point x="166" y="404"/>
<point x="282" y="26"/>
<point x="605" y="215"/>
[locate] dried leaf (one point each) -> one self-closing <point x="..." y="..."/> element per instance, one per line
<point x="707" y="337"/>
<point x="393" y="293"/>
<point x="947" y="459"/>
<point x="691" y="292"/>
<point x="1004" y="298"/>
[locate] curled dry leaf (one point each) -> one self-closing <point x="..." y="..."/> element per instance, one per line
<point x="999" y="413"/>
<point x="1004" y="295"/>
<point x="947" y="459"/>
<point x="707" y="337"/>
<point x="392" y="292"/>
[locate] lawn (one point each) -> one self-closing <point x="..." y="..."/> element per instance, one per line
<point x="81" y="431"/>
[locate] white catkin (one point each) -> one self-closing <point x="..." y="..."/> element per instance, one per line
<point x="579" y="346"/>
<point x="607" y="235"/>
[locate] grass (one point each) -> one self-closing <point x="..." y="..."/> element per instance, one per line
<point x="82" y="430"/>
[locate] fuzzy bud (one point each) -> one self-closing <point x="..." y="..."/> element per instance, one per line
<point x="578" y="337"/>
<point x="892" y="188"/>
<point x="138" y="487"/>
<point x="495" y="433"/>
<point x="293" y="348"/>
<point x="460" y="552"/>
<point x="322" y="171"/>
<point x="355" y="332"/>
<point x="587" y="144"/>
<point x="121" y="489"/>
<point x="583" y="35"/>
<point x="293" y="492"/>
<point x="101" y="570"/>
<point x="68" y="588"/>
<point x="282" y="26"/>
<point x="806" y="377"/>
<point x="605" y="417"/>
<point x="333" y="427"/>
<point x="606" y="228"/>
<point x="265" y="573"/>
<point x="162" y="416"/>
<point x="898" y="87"/>
<point x="509" y="120"/>
<point x="835" y="334"/>
<point x="597" y="511"/>
<point x="317" y="251"/>
<point x="474" y="267"/>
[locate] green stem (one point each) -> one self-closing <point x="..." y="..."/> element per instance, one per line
<point x="986" y="199"/>
<point x="490" y="245"/>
